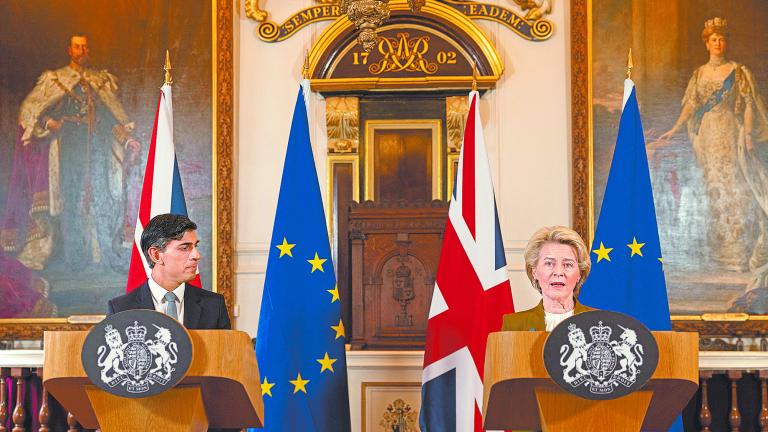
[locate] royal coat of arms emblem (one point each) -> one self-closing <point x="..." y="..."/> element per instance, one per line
<point x="137" y="362"/>
<point x="604" y="367"/>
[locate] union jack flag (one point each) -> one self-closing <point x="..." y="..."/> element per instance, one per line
<point x="161" y="192"/>
<point x="472" y="293"/>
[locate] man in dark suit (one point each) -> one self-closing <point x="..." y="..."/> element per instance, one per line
<point x="169" y="243"/>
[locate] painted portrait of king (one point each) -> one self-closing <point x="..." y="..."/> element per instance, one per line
<point x="66" y="203"/>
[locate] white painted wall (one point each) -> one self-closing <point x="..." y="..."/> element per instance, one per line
<point x="527" y="129"/>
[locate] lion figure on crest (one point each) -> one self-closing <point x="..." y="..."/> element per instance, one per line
<point x="113" y="359"/>
<point x="577" y="356"/>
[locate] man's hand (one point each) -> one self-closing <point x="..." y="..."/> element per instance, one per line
<point x="53" y="125"/>
<point x="133" y="148"/>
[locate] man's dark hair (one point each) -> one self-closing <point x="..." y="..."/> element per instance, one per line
<point x="73" y="35"/>
<point x="161" y="229"/>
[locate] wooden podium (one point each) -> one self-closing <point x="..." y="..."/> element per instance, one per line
<point x="518" y="393"/>
<point x="221" y="388"/>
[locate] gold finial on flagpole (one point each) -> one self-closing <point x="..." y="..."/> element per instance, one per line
<point x="629" y="64"/>
<point x="167" y="67"/>
<point x="305" y="68"/>
<point x="474" y="76"/>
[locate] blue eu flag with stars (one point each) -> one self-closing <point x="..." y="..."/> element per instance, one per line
<point x="627" y="274"/>
<point x="300" y="340"/>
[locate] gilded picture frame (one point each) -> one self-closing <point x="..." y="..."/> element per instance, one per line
<point x="432" y="125"/>
<point x="705" y="295"/>
<point x="207" y="176"/>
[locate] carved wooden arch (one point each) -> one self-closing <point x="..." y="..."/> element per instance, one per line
<point x="443" y="21"/>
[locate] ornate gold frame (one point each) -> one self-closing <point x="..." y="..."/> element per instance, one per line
<point x="453" y="158"/>
<point x="708" y="324"/>
<point x="333" y="159"/>
<point x="371" y="126"/>
<point x="222" y="218"/>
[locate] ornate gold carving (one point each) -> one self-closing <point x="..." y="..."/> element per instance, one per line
<point x="532" y="27"/>
<point x="581" y="152"/>
<point x="399" y="416"/>
<point x="342" y="118"/>
<point x="367" y="16"/>
<point x="536" y="9"/>
<point x="25" y="329"/>
<point x="416" y="5"/>
<point x="325" y="55"/>
<point x="403" y="53"/>
<point x="223" y="89"/>
<point x="253" y="11"/>
<point x="528" y="28"/>
<point x="456" y="109"/>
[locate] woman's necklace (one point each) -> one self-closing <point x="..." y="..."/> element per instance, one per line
<point x="716" y="62"/>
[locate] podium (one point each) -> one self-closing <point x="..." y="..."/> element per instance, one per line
<point x="518" y="393"/>
<point x="221" y="388"/>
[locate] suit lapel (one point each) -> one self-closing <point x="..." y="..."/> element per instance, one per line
<point x="192" y="308"/>
<point x="144" y="298"/>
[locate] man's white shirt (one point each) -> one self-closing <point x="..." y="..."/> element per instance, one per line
<point x="158" y="298"/>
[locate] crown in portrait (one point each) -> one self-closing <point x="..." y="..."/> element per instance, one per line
<point x="136" y="332"/>
<point x="715" y="22"/>
<point x="600" y="333"/>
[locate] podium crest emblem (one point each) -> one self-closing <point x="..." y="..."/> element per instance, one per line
<point x="606" y="366"/>
<point x="124" y="357"/>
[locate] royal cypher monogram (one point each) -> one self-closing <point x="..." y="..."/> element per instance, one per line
<point x="595" y="364"/>
<point x="403" y="53"/>
<point x="137" y="364"/>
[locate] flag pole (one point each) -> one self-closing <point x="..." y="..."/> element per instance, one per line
<point x="167" y="68"/>
<point x="305" y="67"/>
<point x="474" y="76"/>
<point x="630" y="65"/>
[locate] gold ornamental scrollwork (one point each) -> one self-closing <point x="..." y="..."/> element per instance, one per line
<point x="371" y="14"/>
<point x="367" y="16"/>
<point x="254" y="12"/>
<point x="403" y="53"/>
<point x="535" y="9"/>
<point x="456" y="109"/>
<point x="342" y="119"/>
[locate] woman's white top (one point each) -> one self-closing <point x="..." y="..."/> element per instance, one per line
<point x="553" y="319"/>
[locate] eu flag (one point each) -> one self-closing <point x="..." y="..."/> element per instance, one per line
<point x="627" y="274"/>
<point x="300" y="340"/>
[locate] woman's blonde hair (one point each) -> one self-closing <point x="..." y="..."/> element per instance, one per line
<point x="562" y="235"/>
